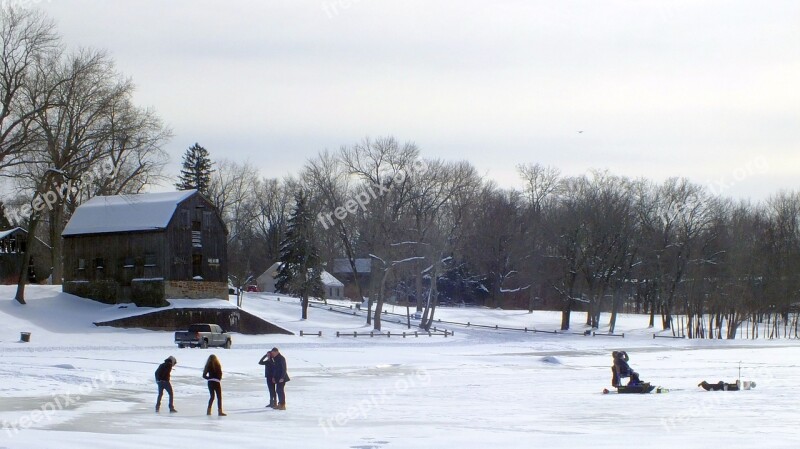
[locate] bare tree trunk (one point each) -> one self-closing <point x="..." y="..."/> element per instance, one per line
<point x="26" y="259"/>
<point x="565" y="314"/>
<point x="612" y="323"/>
<point x="379" y="305"/>
<point x="57" y="245"/>
<point x="418" y="286"/>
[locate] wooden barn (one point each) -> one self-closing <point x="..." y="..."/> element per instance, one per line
<point x="13" y="245"/>
<point x="146" y="248"/>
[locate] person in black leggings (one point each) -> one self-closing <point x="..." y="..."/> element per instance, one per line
<point x="213" y="373"/>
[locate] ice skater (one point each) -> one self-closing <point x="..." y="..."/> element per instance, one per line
<point x="280" y="377"/>
<point x="268" y="360"/>
<point x="213" y="373"/>
<point x="163" y="381"/>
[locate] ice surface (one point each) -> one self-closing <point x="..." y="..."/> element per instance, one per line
<point x="93" y="386"/>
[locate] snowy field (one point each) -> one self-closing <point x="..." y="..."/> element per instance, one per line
<point x="75" y="385"/>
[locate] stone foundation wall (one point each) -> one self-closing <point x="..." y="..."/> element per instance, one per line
<point x="148" y="292"/>
<point x="196" y="289"/>
<point x="231" y="320"/>
<point x="103" y="291"/>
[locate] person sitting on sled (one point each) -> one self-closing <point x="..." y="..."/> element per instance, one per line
<point x="622" y="369"/>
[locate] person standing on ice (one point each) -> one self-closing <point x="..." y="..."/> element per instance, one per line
<point x="269" y="372"/>
<point x="163" y="381"/>
<point x="213" y="373"/>
<point x="280" y="377"/>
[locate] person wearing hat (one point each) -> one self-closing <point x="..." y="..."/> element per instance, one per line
<point x="622" y="369"/>
<point x="268" y="360"/>
<point x="280" y="377"/>
<point x="163" y="381"/>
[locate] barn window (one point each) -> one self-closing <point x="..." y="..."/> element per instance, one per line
<point x="81" y="264"/>
<point x="197" y="265"/>
<point x="128" y="262"/>
<point x="207" y="220"/>
<point x="149" y="259"/>
<point x="185" y="218"/>
<point x="98" y="263"/>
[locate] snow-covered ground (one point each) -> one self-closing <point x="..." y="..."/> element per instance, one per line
<point x="75" y="385"/>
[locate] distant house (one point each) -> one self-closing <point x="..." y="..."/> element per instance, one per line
<point x="13" y="245"/>
<point x="342" y="270"/>
<point x="334" y="289"/>
<point x="146" y="248"/>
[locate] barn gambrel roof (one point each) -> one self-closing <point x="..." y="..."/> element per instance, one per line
<point x="125" y="213"/>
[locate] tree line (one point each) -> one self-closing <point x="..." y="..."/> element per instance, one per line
<point x="597" y="242"/>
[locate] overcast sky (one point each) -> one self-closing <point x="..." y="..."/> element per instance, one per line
<point x="702" y="89"/>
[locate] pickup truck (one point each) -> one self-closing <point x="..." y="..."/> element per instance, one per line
<point x="203" y="336"/>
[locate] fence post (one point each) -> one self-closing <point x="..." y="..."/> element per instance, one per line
<point x="388" y="334"/>
<point x="337" y="334"/>
<point x="355" y="334"/>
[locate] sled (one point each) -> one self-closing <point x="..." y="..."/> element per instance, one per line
<point x="641" y="388"/>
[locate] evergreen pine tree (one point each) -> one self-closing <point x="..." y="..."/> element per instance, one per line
<point x="301" y="267"/>
<point x="196" y="171"/>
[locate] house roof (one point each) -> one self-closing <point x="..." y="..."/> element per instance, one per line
<point x="125" y="213"/>
<point x="343" y="266"/>
<point x="328" y="279"/>
<point x="8" y="232"/>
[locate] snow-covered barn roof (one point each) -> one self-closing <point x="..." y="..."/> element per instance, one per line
<point x="125" y="213"/>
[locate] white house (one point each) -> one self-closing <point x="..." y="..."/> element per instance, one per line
<point x="334" y="289"/>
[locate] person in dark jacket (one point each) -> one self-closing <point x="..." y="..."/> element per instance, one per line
<point x="269" y="371"/>
<point x="213" y="373"/>
<point x="280" y="377"/>
<point x="622" y="369"/>
<point x="163" y="381"/>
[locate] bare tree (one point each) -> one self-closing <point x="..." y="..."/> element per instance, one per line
<point x="233" y="190"/>
<point x="28" y="42"/>
<point x="330" y="184"/>
<point x="386" y="167"/>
